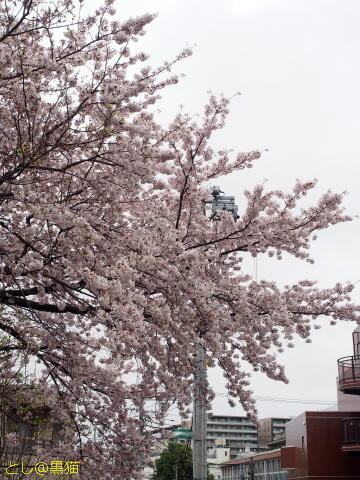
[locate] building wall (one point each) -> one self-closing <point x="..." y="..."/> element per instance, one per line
<point x="30" y="436"/>
<point x="261" y="466"/>
<point x="317" y="438"/>
<point x="264" y="431"/>
<point x="347" y="402"/>
<point x="238" y="433"/>
<point x="216" y="456"/>
<point x="269" y="429"/>
<point x="296" y="436"/>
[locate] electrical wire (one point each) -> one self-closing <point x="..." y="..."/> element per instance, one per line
<point x="285" y="400"/>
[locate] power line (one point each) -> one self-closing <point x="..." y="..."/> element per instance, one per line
<point x="285" y="400"/>
<point x="295" y="400"/>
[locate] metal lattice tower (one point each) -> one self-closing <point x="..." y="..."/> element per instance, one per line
<point x="199" y="442"/>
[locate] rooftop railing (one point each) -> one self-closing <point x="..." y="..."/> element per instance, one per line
<point x="349" y="370"/>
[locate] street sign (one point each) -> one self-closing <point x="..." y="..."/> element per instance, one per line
<point x="182" y="433"/>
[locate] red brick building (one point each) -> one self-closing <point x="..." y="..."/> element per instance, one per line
<point x="326" y="445"/>
<point x="317" y="448"/>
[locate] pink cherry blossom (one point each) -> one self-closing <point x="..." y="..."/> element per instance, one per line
<point x="110" y="272"/>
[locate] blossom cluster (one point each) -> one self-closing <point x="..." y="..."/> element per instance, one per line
<point x="110" y="273"/>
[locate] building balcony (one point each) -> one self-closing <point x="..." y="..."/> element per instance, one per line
<point x="349" y="374"/>
<point x="351" y="442"/>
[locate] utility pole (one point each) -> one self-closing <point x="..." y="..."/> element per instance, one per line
<point x="219" y="202"/>
<point x="199" y="417"/>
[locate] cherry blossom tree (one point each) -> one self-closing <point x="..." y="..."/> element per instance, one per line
<point x="110" y="273"/>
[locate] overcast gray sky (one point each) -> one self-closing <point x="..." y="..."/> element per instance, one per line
<point x="297" y="66"/>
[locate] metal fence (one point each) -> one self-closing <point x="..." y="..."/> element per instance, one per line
<point x="349" y="369"/>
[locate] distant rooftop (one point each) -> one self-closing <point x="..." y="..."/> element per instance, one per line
<point x="255" y="456"/>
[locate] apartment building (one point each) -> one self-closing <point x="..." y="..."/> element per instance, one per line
<point x="237" y="433"/>
<point x="271" y="429"/>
